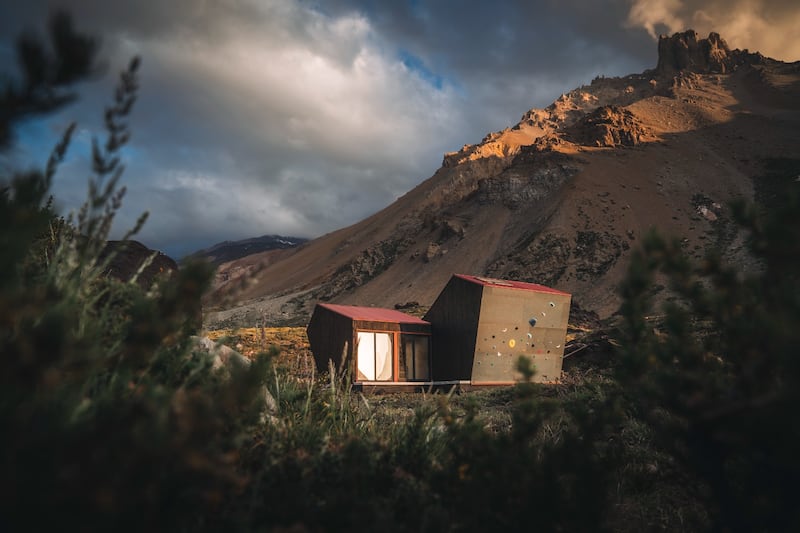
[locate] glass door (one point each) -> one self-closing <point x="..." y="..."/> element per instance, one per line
<point x="415" y="363"/>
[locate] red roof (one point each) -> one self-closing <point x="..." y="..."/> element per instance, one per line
<point x="374" y="314"/>
<point x="491" y="282"/>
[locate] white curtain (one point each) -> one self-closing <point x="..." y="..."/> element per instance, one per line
<point x="374" y="350"/>
<point x="383" y="356"/>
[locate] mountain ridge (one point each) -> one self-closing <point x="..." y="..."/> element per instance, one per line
<point x="562" y="196"/>
<point x="227" y="251"/>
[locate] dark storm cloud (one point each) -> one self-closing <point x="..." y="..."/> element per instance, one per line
<point x="554" y="38"/>
<point x="298" y="117"/>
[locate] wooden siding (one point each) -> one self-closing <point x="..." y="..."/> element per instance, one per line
<point x="371" y="325"/>
<point x="329" y="335"/>
<point x="454" y="323"/>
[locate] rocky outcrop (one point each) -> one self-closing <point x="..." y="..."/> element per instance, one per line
<point x="533" y="176"/>
<point x="684" y="51"/>
<point x="222" y="357"/>
<point x="128" y="257"/>
<point x="434" y="249"/>
<point x="551" y="258"/>
<point x="227" y="361"/>
<point x="366" y="266"/>
<point x="490" y="147"/>
<point x="596" y="252"/>
<point x="607" y="126"/>
<point x="542" y="261"/>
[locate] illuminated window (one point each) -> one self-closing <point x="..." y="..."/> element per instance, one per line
<point x="374" y="356"/>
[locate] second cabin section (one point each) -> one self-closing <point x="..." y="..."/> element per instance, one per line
<point x="380" y="346"/>
<point x="482" y="326"/>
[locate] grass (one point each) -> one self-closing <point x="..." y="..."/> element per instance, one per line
<point x="291" y="343"/>
<point x="647" y="489"/>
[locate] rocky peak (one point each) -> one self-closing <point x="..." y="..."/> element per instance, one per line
<point x="684" y="51"/>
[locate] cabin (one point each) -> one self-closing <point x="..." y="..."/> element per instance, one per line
<point x="378" y="346"/>
<point x="481" y="326"/>
<point x="473" y="335"/>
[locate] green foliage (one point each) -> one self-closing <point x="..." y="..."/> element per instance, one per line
<point x="110" y="421"/>
<point x="718" y="378"/>
<point x="331" y="459"/>
<point x="47" y="72"/>
<point x="548" y="471"/>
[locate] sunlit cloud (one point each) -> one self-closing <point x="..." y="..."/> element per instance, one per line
<point x="769" y="27"/>
<point x="657" y="15"/>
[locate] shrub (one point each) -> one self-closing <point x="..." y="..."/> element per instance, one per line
<point x="718" y="379"/>
<point x="109" y="420"/>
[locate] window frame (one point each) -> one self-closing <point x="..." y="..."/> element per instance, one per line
<point x="414" y="337"/>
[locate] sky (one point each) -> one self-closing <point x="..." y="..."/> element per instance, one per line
<point x="298" y="117"/>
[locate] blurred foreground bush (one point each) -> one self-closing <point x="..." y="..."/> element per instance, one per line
<point x="108" y="419"/>
<point x="718" y="378"/>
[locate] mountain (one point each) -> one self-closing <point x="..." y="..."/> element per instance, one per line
<point x="561" y="197"/>
<point x="224" y="252"/>
<point x="129" y="256"/>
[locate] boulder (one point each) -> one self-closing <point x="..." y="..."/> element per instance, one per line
<point x="607" y="126"/>
<point x="222" y="356"/>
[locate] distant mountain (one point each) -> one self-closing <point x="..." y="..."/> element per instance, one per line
<point x="129" y="256"/>
<point x="227" y="251"/>
<point x="563" y="196"/>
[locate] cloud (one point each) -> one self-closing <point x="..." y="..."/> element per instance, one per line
<point x="275" y="118"/>
<point x="769" y="27"/>
<point x="650" y="14"/>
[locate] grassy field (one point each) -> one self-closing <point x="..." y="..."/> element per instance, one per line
<point x="294" y="353"/>
<point x="648" y="487"/>
<point x="295" y="360"/>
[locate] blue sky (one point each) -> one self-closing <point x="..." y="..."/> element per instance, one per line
<point x="299" y="117"/>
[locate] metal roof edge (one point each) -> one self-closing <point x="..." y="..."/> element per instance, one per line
<point x="509" y="284"/>
<point x="377" y="314"/>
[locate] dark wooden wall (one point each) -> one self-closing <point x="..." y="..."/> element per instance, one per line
<point x="454" y="324"/>
<point x="328" y="334"/>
